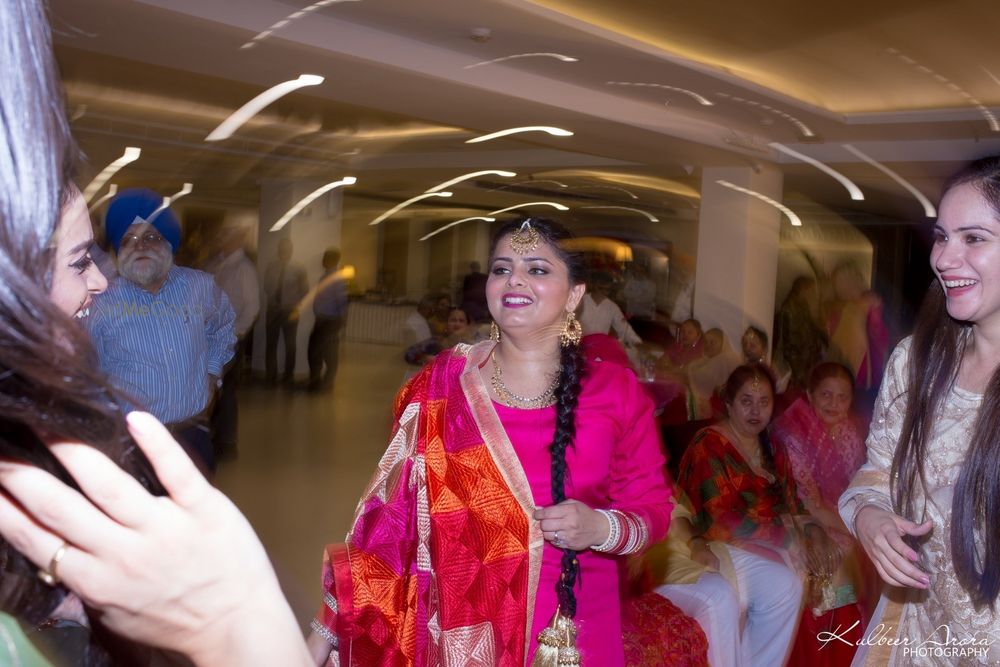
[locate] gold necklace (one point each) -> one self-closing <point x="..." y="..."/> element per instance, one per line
<point x="512" y="400"/>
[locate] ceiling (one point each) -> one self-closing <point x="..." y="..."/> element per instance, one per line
<point x="913" y="85"/>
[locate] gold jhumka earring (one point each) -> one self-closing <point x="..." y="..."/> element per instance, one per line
<point x="494" y="332"/>
<point x="572" y="331"/>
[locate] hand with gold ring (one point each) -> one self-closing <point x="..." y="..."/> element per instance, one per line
<point x="50" y="575"/>
<point x="168" y="571"/>
<point x="572" y="525"/>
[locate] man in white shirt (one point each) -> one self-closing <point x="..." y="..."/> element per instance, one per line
<point x="416" y="328"/>
<point x="599" y="314"/>
<point x="237" y="276"/>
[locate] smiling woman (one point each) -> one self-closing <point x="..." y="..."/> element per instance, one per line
<point x="75" y="277"/>
<point x="564" y="475"/>
<point x="926" y="504"/>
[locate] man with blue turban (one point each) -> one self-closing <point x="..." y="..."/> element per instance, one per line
<point x="163" y="333"/>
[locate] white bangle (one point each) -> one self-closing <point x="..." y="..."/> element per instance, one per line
<point x="614" y="532"/>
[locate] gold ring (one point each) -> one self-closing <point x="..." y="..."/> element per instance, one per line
<point x="50" y="574"/>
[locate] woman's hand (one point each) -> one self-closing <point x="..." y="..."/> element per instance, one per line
<point x="183" y="572"/>
<point x="822" y="553"/>
<point x="881" y="534"/>
<point x="572" y="525"/>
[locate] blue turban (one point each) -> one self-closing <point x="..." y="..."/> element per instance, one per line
<point x="137" y="205"/>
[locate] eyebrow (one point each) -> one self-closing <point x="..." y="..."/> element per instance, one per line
<point x="83" y="245"/>
<point x="972" y="228"/>
<point x="966" y="228"/>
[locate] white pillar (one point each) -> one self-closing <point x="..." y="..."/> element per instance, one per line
<point x="737" y="262"/>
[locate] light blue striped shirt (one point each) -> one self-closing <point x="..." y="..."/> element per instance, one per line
<point x="160" y="348"/>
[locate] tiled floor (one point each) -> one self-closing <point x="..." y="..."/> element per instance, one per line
<point x="305" y="458"/>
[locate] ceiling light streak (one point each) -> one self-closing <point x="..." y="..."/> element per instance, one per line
<point x="700" y="99"/>
<point x="792" y="217"/>
<point x="167" y="201"/>
<point x="606" y="187"/>
<point x="308" y="199"/>
<point x="183" y="192"/>
<point x="112" y="191"/>
<point x="406" y="203"/>
<point x="531" y="182"/>
<point x="929" y="209"/>
<point x="554" y="131"/>
<point x="472" y="174"/>
<point x="650" y="216"/>
<point x="257" y="104"/>
<point x="803" y="129"/>
<point x="457" y="222"/>
<point x="288" y="19"/>
<point x="853" y="189"/>
<point x="130" y="155"/>
<point x="556" y="56"/>
<point x="988" y="115"/>
<point x="558" y="207"/>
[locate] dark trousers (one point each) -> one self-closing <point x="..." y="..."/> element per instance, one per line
<point x="324" y="349"/>
<point x="280" y="323"/>
<point x="225" y="415"/>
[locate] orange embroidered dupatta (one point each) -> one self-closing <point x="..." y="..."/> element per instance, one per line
<point x="442" y="562"/>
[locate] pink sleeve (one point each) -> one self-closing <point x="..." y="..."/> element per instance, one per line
<point x="639" y="484"/>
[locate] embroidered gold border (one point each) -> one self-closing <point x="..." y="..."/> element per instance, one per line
<point x="506" y="461"/>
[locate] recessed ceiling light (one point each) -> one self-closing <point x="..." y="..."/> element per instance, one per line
<point x="554" y="131"/>
<point x="792" y="217"/>
<point x="457" y="222"/>
<point x="257" y="104"/>
<point x="852" y="189"/>
<point x="929" y="209"/>
<point x="406" y="203"/>
<point x="131" y="154"/>
<point x="557" y="56"/>
<point x="471" y="174"/>
<point x="308" y="199"/>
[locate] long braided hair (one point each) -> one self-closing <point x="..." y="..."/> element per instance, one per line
<point x="567" y="394"/>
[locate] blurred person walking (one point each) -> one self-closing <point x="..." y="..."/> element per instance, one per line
<point x="285" y="285"/>
<point x="237" y="276"/>
<point x="330" y="312"/>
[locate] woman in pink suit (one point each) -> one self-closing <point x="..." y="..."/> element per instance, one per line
<point x="517" y="476"/>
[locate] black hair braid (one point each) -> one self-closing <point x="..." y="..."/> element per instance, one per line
<point x="567" y="397"/>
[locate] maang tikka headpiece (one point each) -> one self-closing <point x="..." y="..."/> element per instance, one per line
<point x="525" y="239"/>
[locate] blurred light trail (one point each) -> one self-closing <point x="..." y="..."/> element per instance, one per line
<point x="852" y="189"/>
<point x="472" y="174"/>
<point x="794" y="219"/>
<point x="457" y="222"/>
<point x="406" y="203"/>
<point x="130" y="155"/>
<point x="929" y="209"/>
<point x="556" y="56"/>
<point x="308" y="199"/>
<point x="652" y="218"/>
<point x="257" y="104"/>
<point x="554" y="131"/>
<point x="700" y="99"/>
<point x="558" y="207"/>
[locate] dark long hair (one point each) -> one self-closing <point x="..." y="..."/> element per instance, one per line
<point x="50" y="386"/>
<point x="571" y="374"/>
<point x="936" y="352"/>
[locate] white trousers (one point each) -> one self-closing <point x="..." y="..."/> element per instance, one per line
<point x="770" y="594"/>
<point x="712" y="602"/>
